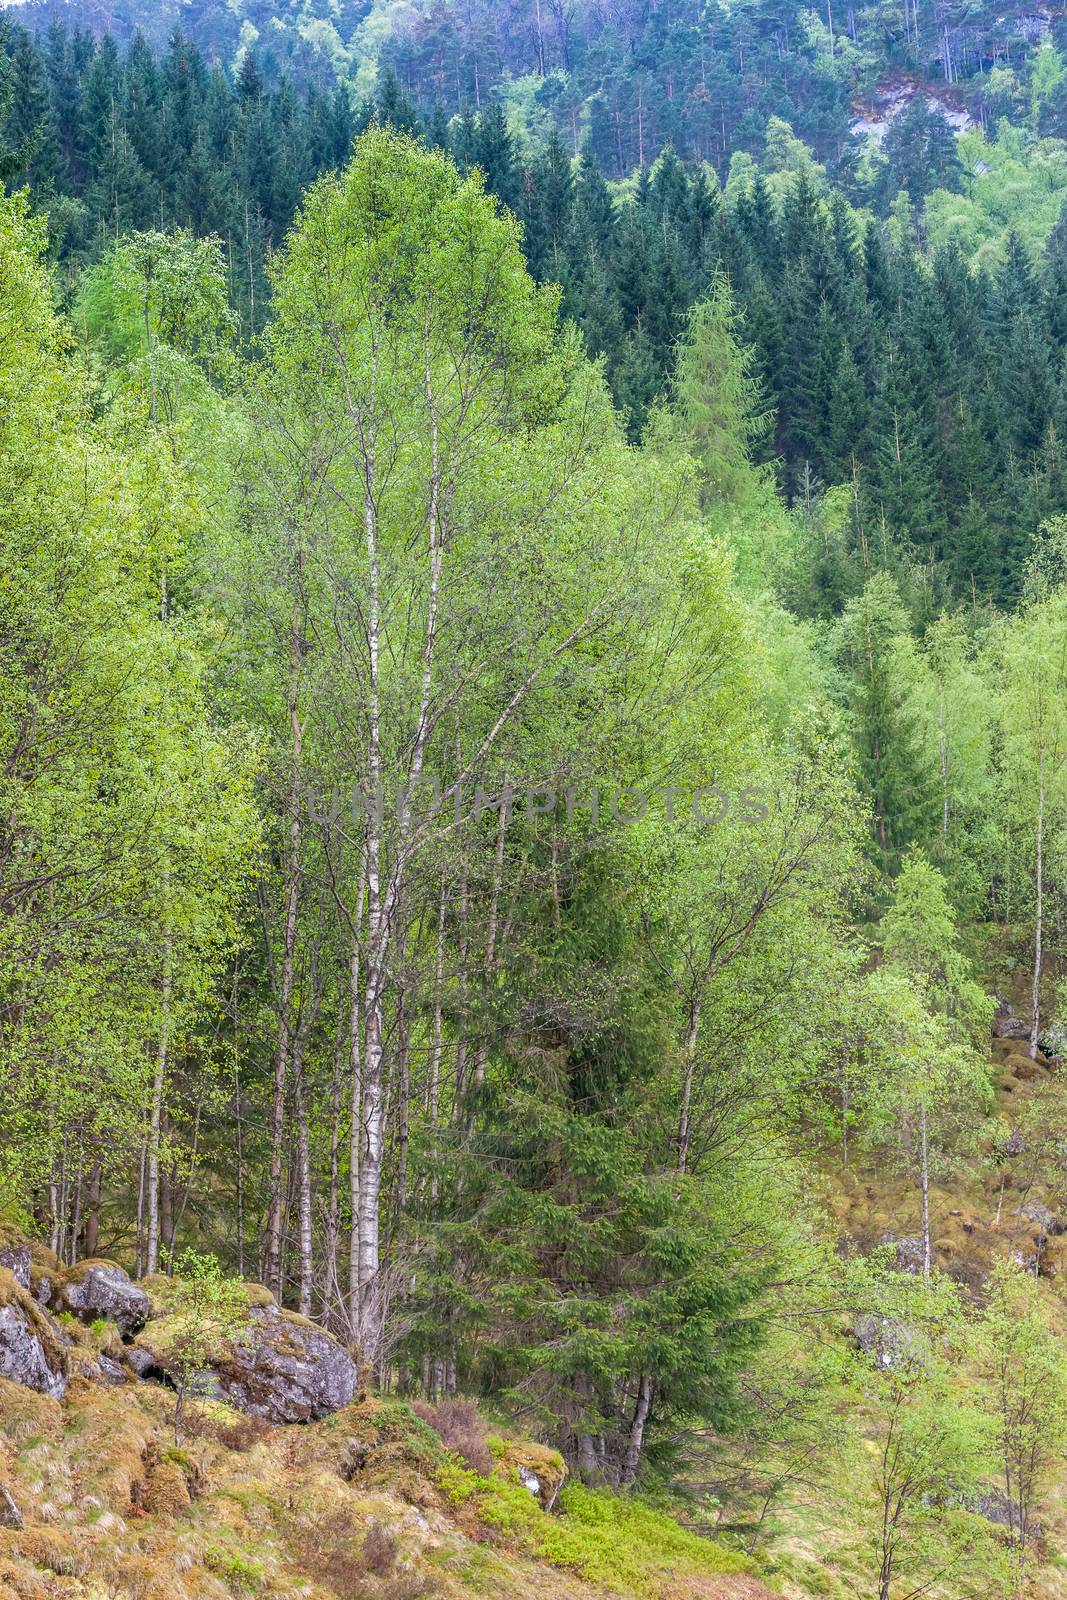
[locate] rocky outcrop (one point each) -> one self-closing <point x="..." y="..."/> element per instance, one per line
<point x="285" y="1369"/>
<point x="889" y="1343"/>
<point x="10" y="1515"/>
<point x="909" y="1251"/>
<point x="274" y="1365"/>
<point x="540" y="1470"/>
<point x="1045" y="1219"/>
<point x="32" y="1349"/>
<point x="100" y="1289"/>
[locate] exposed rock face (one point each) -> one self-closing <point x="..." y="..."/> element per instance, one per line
<point x="106" y="1291"/>
<point x="140" y="1360"/>
<point x="1006" y="1025"/>
<point x="286" y="1370"/>
<point x="539" y="1469"/>
<point x="110" y="1372"/>
<point x="1045" y="1219"/>
<point x="10" y="1515"/>
<point x="31" y="1346"/>
<point x="277" y="1366"/>
<point x="18" y="1259"/>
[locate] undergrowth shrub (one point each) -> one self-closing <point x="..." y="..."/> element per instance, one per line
<point x="608" y="1539"/>
<point x="240" y="1573"/>
<point x="460" y="1429"/>
<point x="243" y="1433"/>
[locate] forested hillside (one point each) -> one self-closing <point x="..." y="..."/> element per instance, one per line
<point x="916" y="362"/>
<point x="628" y="78"/>
<point x="533" y="810"/>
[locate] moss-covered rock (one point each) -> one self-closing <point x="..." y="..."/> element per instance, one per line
<point x="540" y="1470"/>
<point x="33" y="1351"/>
<point x="272" y="1364"/>
<point x="102" y="1290"/>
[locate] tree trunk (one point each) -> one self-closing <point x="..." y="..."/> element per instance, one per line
<point x="687" y="1085"/>
<point x="92" y="1219"/>
<point x="333" y="1199"/>
<point x="303" y="1182"/>
<point x="635" y="1444"/>
<point x="942" y="751"/>
<point x="482" y="1051"/>
<point x="1039" y="884"/>
<point x="355" y="1127"/>
<point x="925" y="1178"/>
<point x="156" y="1122"/>
<point x="285" y="986"/>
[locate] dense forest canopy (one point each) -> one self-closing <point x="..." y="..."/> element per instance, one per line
<point x="906" y="321"/>
<point x="533" y="731"/>
<point x="629" y="78"/>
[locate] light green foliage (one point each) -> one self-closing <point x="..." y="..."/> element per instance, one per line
<point x="622" y="1544"/>
<point x="205" y="1310"/>
<point x="1019" y="1356"/>
<point x="927" y="1086"/>
<point x="955" y="706"/>
<point x="919" y="934"/>
<point x="1031" y="657"/>
<point x="873" y="639"/>
<point x="930" y="1448"/>
<point x="110" y="761"/>
<point x="720" y="413"/>
<point x="528" y="1098"/>
<point x="1024" y="189"/>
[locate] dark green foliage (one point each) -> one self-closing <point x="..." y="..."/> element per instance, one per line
<point x="937" y="394"/>
<point x="586" y="1262"/>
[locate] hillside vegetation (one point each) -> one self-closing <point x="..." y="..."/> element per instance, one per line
<point x="533" y="812"/>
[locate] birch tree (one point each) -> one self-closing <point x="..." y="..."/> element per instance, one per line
<point x="1033" y="718"/>
<point x="465" y="546"/>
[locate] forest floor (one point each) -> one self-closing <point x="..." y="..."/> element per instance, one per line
<point x="111" y="1507"/>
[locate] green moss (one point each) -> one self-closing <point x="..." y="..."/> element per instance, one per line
<point x="614" y="1540"/>
<point x="381" y="1422"/>
<point x="240" y="1573"/>
<point x="78" y="1273"/>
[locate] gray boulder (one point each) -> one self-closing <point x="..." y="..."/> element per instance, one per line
<point x="111" y="1372"/>
<point x="31" y="1346"/>
<point x="18" y="1259"/>
<point x="10" y="1515"/>
<point x="890" y="1344"/>
<point x="140" y="1360"/>
<point x="106" y="1291"/>
<point x="285" y="1369"/>
<point x="1006" y="1025"/>
<point x="1045" y="1219"/>
<point x="908" y="1251"/>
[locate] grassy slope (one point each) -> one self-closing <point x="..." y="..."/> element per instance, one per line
<point x="112" y="1509"/>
